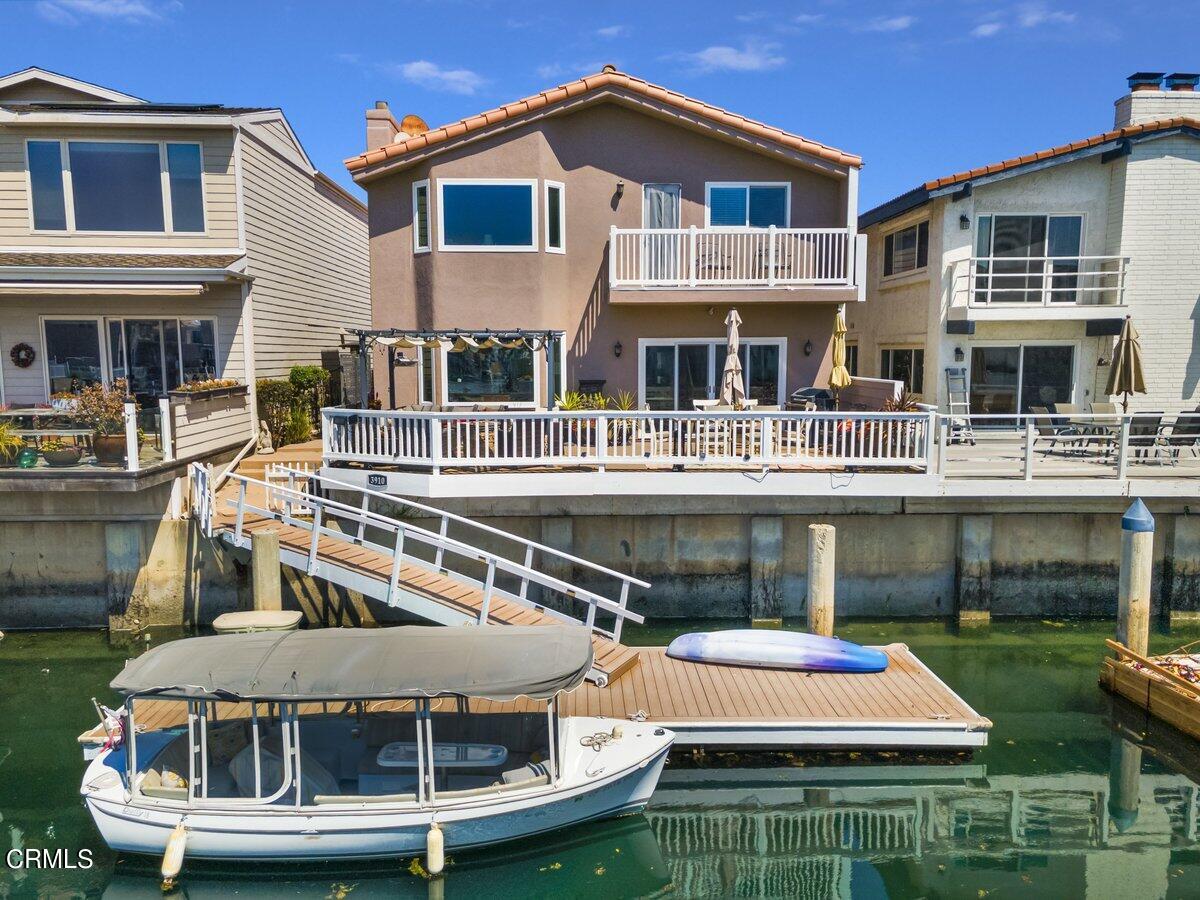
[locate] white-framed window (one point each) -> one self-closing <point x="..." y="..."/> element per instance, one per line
<point x="123" y="187"/>
<point x="852" y="358"/>
<point x="497" y="376"/>
<point x="154" y="354"/>
<point x="906" y="250"/>
<point x="487" y="215"/>
<point x="420" y="216"/>
<point x="747" y="204"/>
<point x="555" y="214"/>
<point x="906" y="364"/>
<point x="674" y="372"/>
<point x="1014" y="254"/>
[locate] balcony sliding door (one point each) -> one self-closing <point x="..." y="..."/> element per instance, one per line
<point x="661" y="252"/>
<point x="1016" y="253"/>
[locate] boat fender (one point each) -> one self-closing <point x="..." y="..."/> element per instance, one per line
<point x="172" y="861"/>
<point x="435" y="850"/>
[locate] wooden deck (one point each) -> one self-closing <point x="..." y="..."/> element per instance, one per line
<point x="904" y="707"/>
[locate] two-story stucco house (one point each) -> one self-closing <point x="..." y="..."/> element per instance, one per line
<point x="1018" y="274"/>
<point x="624" y="215"/>
<point x="163" y="243"/>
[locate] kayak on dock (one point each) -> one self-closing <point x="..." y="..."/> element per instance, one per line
<point x="776" y="650"/>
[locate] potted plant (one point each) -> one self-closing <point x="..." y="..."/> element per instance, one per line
<point x="103" y="410"/>
<point x="208" y="389"/>
<point x="59" y="454"/>
<point x="10" y="445"/>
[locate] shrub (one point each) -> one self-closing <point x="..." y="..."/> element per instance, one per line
<point x="276" y="398"/>
<point x="311" y="384"/>
<point x="103" y="409"/>
<point x="298" y="427"/>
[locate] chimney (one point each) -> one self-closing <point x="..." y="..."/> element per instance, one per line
<point x="1154" y="95"/>
<point x="381" y="126"/>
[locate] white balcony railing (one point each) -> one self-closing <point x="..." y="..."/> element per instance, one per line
<point x="731" y="257"/>
<point x="1008" y="281"/>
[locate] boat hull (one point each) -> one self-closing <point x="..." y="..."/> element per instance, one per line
<point x="777" y="650"/>
<point x="362" y="832"/>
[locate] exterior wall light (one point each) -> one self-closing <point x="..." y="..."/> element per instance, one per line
<point x="958" y="354"/>
<point x="808" y="348"/>
<point x="617" y="348"/>
<point x="964" y="224"/>
<point x="620" y="189"/>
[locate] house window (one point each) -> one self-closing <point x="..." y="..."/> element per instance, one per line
<point x="852" y="359"/>
<point x="420" y="198"/>
<point x="487" y="215"/>
<point x="113" y="186"/>
<point x="158" y="355"/>
<point x="425" y="381"/>
<point x="742" y="205"/>
<point x="555" y="217"/>
<point x="73" y="358"/>
<point x="495" y="375"/>
<point x="906" y="250"/>
<point x="904" y="364"/>
<point x="1014" y="254"/>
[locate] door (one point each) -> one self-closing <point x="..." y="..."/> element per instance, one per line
<point x="661" y="252"/>
<point x="1008" y="380"/>
<point x="694" y="374"/>
<point x="1047" y="376"/>
<point x="995" y="380"/>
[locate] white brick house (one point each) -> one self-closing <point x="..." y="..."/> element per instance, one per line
<point x="1021" y="272"/>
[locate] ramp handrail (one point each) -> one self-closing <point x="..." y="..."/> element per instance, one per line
<point x="318" y="506"/>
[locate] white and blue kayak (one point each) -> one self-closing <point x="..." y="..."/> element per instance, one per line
<point x="769" y="649"/>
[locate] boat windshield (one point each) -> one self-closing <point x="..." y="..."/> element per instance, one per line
<point x="281" y="754"/>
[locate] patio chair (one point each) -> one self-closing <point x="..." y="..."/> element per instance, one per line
<point x="1105" y="409"/>
<point x="1145" y="435"/>
<point x="1185" y="435"/>
<point x="1054" y="431"/>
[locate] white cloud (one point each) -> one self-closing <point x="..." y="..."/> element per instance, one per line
<point x="807" y="18"/>
<point x="890" y="23"/>
<point x="612" y="31"/>
<point x="432" y="76"/>
<point x="752" y="16"/>
<point x="1031" y="15"/>
<point x="72" y="12"/>
<point x="752" y="56"/>
<point x="987" y="29"/>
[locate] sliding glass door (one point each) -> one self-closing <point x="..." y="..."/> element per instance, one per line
<point x="1015" y="254"/>
<point x="675" y="373"/>
<point x="1008" y="380"/>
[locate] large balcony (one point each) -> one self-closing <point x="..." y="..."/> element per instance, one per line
<point x="830" y="263"/>
<point x="997" y="288"/>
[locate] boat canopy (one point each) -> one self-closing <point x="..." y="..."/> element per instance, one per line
<point x="493" y="662"/>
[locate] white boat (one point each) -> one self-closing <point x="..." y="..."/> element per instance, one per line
<point x="352" y="743"/>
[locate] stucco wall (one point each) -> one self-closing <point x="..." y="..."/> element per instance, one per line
<point x="589" y="151"/>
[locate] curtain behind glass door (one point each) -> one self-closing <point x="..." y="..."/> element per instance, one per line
<point x="660" y="252"/>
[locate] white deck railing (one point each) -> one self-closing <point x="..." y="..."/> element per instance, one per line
<point x="992" y="281"/>
<point x="599" y="439"/>
<point x="730" y="257"/>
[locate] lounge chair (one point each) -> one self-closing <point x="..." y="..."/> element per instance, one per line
<point x="1145" y="435"/>
<point x="1185" y="435"/>
<point x="1054" y="431"/>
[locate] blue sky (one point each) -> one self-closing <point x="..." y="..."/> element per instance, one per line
<point x="919" y="89"/>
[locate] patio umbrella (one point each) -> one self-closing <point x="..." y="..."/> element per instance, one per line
<point x="733" y="389"/>
<point x="839" y="377"/>
<point x="1125" y="376"/>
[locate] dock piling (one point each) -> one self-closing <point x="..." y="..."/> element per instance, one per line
<point x="821" y="543"/>
<point x="1137" y="561"/>
<point x="264" y="569"/>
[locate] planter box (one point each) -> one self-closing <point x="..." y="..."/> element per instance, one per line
<point x="238" y="390"/>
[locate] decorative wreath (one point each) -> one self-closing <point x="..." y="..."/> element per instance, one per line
<point x="22" y="356"/>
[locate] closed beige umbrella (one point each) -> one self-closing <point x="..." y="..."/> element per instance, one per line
<point x="839" y="377"/>
<point x="733" y="388"/>
<point x="1125" y="376"/>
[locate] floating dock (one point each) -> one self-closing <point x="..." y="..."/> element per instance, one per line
<point x="906" y="707"/>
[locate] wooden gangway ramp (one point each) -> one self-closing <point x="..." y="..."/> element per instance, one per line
<point x="336" y="531"/>
<point x="906" y="707"/>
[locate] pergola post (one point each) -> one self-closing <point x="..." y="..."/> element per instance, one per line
<point x="364" y="394"/>
<point x="551" y="388"/>
<point x="391" y="377"/>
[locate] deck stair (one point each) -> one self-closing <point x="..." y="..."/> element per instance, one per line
<point x="335" y="530"/>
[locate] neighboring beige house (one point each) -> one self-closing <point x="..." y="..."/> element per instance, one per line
<point x="165" y="243"/>
<point x="1021" y="272"/>
<point x="625" y="215"/>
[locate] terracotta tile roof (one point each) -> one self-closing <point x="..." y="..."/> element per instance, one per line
<point x="117" y="260"/>
<point x="1116" y="134"/>
<point x="571" y="90"/>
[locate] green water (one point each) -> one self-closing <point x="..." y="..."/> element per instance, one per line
<point x="1032" y="814"/>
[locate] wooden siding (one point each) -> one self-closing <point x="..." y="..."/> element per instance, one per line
<point x="220" y="189"/>
<point x="204" y="426"/>
<point x="307" y="250"/>
<point x="20" y="321"/>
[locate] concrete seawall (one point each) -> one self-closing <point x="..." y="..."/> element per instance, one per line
<point x="112" y="559"/>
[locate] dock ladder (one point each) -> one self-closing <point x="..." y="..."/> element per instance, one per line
<point x="336" y="531"/>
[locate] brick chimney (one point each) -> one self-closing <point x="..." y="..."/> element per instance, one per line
<point x="381" y="126"/>
<point x="1154" y="95"/>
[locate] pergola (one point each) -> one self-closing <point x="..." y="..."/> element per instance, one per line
<point x="455" y="340"/>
